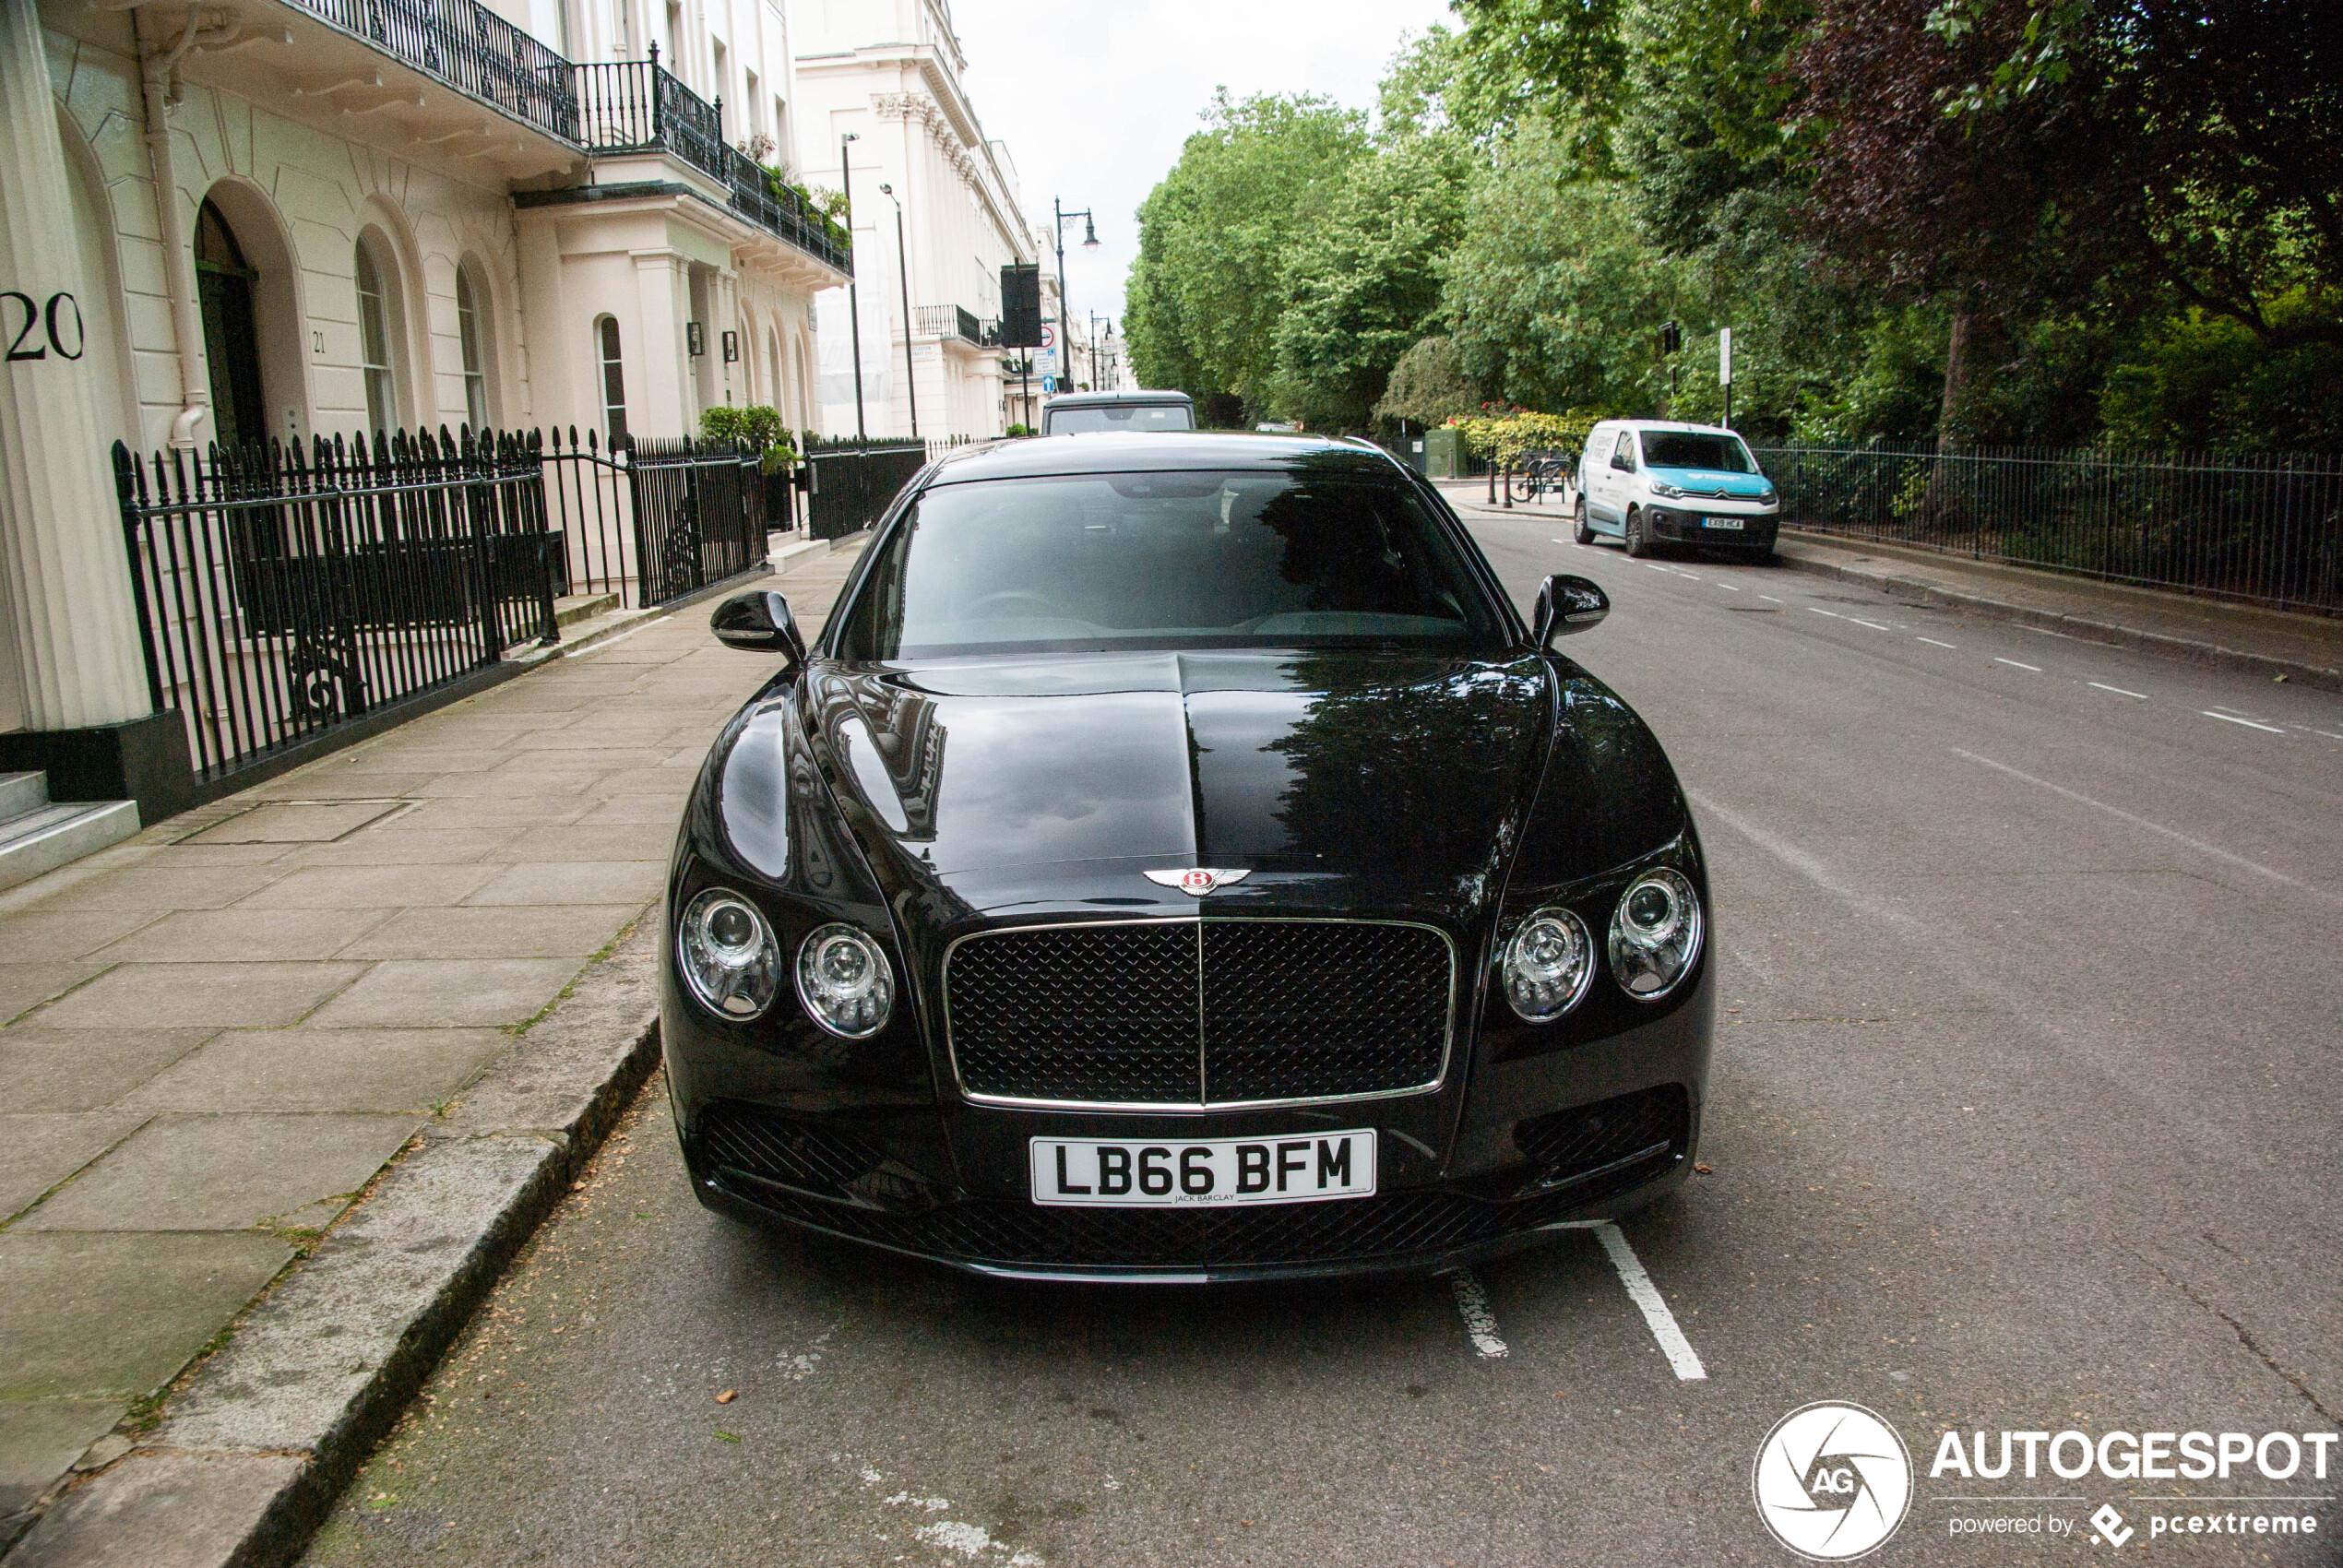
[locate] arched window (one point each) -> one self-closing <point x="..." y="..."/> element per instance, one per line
<point x="471" y="332"/>
<point x="224" y="282"/>
<point x="613" y="380"/>
<point x="375" y="319"/>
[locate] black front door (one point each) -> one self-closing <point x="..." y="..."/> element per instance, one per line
<point x="230" y="340"/>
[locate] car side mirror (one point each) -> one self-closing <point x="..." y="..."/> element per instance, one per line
<point x="1567" y="604"/>
<point x="1623" y="463"/>
<point x="758" y="621"/>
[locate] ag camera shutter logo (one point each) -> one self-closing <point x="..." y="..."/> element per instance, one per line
<point x="1832" y="1481"/>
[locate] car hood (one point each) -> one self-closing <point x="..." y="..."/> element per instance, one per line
<point x="1329" y="778"/>
<point x="1713" y="481"/>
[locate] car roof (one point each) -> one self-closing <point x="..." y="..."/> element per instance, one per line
<point x="1107" y="400"/>
<point x="1670" y="425"/>
<point x="1108" y="452"/>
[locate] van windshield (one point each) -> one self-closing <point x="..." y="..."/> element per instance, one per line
<point x="1125" y="416"/>
<point x="1283" y="558"/>
<point x="1695" y="449"/>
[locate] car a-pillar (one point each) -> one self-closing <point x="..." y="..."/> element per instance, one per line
<point x="73" y="697"/>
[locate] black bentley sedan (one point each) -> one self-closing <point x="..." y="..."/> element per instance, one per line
<point x="1176" y="861"/>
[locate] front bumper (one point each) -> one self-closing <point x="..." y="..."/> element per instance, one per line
<point x="1681" y="523"/>
<point x="1547" y="1144"/>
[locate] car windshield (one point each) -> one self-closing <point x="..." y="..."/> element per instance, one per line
<point x="1259" y="558"/>
<point x="1124" y="417"/>
<point x="1693" y="449"/>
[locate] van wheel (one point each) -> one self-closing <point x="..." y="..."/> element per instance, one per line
<point x="1580" y="532"/>
<point x="1636" y="544"/>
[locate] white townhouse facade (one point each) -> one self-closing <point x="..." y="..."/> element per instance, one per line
<point x="244" y="220"/>
<point x="890" y="73"/>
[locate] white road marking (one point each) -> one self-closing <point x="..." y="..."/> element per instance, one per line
<point x="2177" y="836"/>
<point x="1932" y="641"/>
<point x="2015" y="665"/>
<point x="1644" y="1294"/>
<point x="1729" y="588"/>
<point x="1832" y="613"/>
<point x="1481" y="1323"/>
<point x="2328" y="733"/>
<point x="1804" y="864"/>
<point x="2249" y="724"/>
<point x="1770" y="598"/>
<point x="1655" y="566"/>
<point x="2117" y="690"/>
<point x="1873" y="625"/>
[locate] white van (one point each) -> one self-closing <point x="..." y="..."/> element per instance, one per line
<point x="1647" y="482"/>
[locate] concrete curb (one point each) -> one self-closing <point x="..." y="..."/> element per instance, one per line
<point x="257" y="1446"/>
<point x="2194" y="650"/>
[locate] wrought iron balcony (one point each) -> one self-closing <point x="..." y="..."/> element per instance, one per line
<point x="952" y="321"/>
<point x="471" y="49"/>
<point x="639" y="106"/>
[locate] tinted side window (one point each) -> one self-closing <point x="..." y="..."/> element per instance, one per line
<point x="1627" y="453"/>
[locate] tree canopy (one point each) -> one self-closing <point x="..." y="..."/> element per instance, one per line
<point x="2042" y="221"/>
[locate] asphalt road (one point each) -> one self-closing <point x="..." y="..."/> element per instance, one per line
<point x="2024" y="1117"/>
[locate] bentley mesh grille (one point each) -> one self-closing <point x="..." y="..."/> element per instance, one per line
<point x="1077" y="1013"/>
<point x="1221" y="1012"/>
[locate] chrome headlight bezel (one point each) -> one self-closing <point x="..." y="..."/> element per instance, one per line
<point x="734" y="978"/>
<point x="1536" y="1002"/>
<point x="1656" y="943"/>
<point x="1661" y="487"/>
<point x="855" y="1015"/>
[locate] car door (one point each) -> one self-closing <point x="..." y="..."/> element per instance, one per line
<point x="1620" y="474"/>
<point x="1593" y="463"/>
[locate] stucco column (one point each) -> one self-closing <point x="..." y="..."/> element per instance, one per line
<point x="658" y="280"/>
<point x="66" y="575"/>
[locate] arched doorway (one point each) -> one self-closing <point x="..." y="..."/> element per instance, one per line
<point x="224" y="285"/>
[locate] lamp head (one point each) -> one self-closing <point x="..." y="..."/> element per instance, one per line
<point x="1090" y="233"/>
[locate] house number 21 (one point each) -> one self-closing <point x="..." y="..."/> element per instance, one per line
<point x="62" y="307"/>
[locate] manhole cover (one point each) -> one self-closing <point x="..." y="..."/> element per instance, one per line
<point x="296" y="822"/>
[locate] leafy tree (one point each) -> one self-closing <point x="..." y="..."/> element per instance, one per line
<point x="1364" y="284"/>
<point x="1553" y="296"/>
<point x="1217" y="233"/>
<point x="1430" y="384"/>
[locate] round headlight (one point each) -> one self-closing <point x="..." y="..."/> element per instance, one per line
<point x="845" y="981"/>
<point x="1547" y="966"/>
<point x="1655" y="935"/>
<point x="730" y="959"/>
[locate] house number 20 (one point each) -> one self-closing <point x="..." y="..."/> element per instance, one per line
<point x="62" y="307"/>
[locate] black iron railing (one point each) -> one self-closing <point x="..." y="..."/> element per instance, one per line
<point x="639" y="106"/>
<point x="2268" y="529"/>
<point x="471" y="49"/>
<point x="852" y="483"/>
<point x="287" y="592"/>
<point x="955" y="321"/>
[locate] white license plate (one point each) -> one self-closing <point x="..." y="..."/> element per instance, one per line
<point x="1168" y="1173"/>
<point x="1733" y="523"/>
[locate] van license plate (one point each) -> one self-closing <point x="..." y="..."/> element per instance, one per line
<point x="1170" y="1173"/>
<point x="1733" y="523"/>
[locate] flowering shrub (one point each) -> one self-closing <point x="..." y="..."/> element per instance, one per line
<point x="1504" y="433"/>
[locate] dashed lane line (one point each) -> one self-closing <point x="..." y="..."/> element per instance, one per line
<point x="1770" y="598"/>
<point x="2015" y="665"/>
<point x="2249" y="724"/>
<point x="2177" y="836"/>
<point x="1481" y="1323"/>
<point x="1832" y="613"/>
<point x="1729" y="588"/>
<point x="1873" y="625"/>
<point x="1646" y="1294"/>
<point x="1932" y="641"/>
<point x="2102" y="686"/>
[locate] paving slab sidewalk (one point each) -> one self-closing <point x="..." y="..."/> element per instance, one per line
<point x="220" y="1034"/>
<point x="2298" y="645"/>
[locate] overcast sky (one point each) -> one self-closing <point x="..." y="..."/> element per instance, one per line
<point x="1094" y="97"/>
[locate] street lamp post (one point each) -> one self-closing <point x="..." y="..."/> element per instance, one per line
<point x="1089" y="242"/>
<point x="903" y="256"/>
<point x="854" y="299"/>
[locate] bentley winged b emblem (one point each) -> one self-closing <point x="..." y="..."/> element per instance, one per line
<point x="1198" y="881"/>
